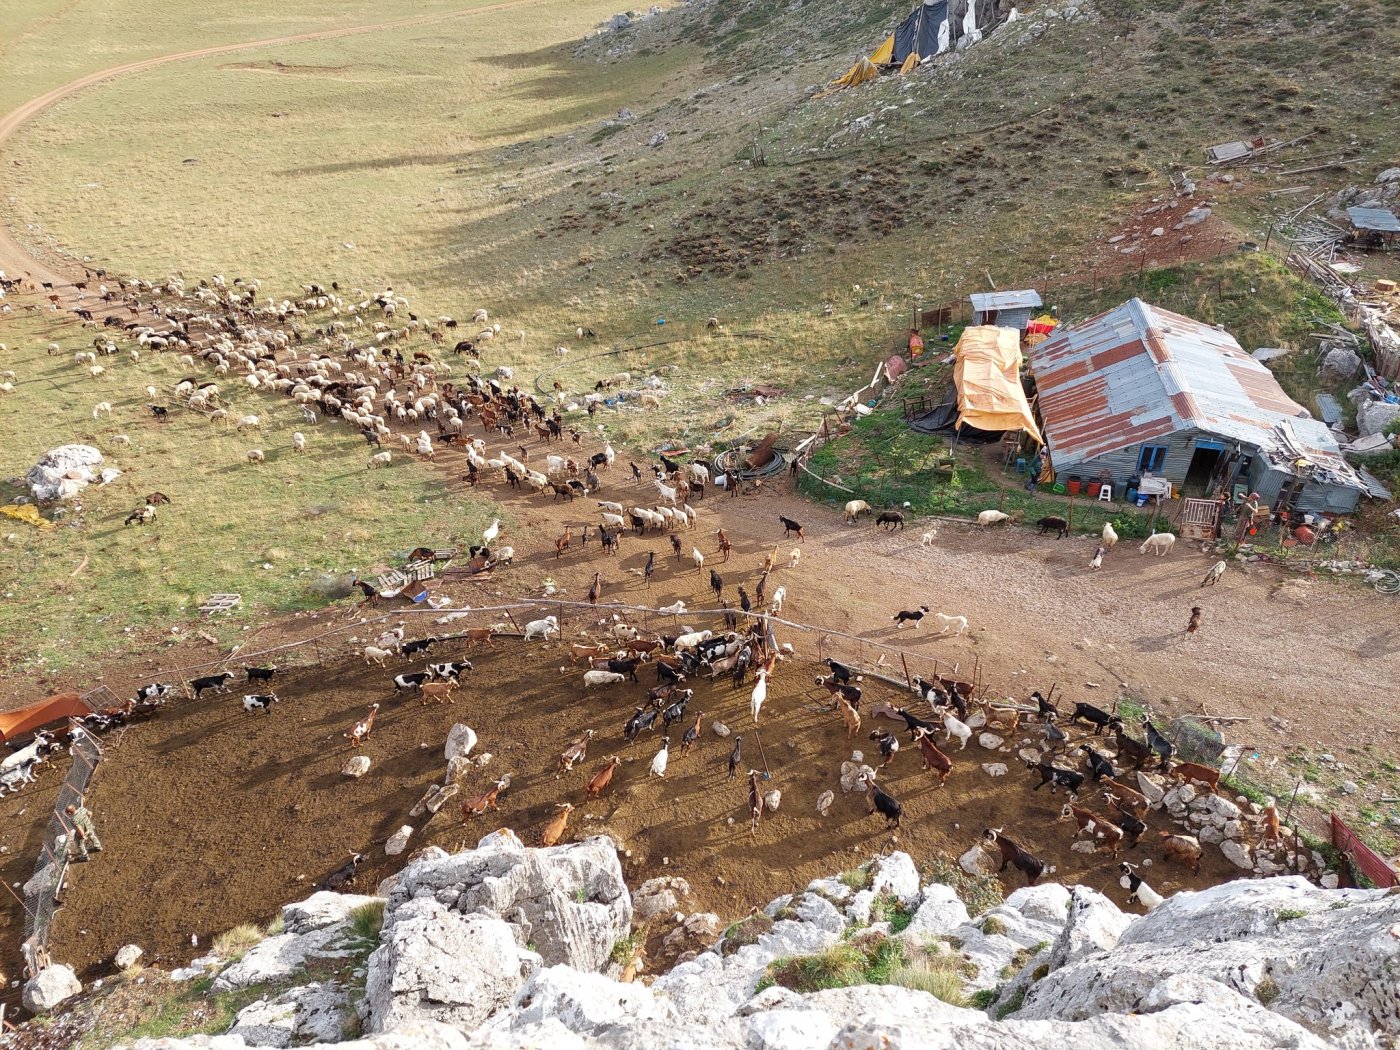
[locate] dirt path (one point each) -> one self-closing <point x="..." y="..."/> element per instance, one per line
<point x="17" y="258"/>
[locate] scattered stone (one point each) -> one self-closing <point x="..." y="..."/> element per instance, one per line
<point x="1349" y="787"/>
<point x="978" y="861"/>
<point x="990" y="741"/>
<point x="658" y="897"/>
<point x="398" y="841"/>
<point x="994" y="769"/>
<point x="772" y="800"/>
<point x="49" y="987"/>
<point x="460" y="741"/>
<point x="1238" y="854"/>
<point x="721" y="730"/>
<point x="128" y="955"/>
<point x="356" y="767"/>
<point x="824" y="801"/>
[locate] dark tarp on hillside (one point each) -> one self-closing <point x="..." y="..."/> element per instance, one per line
<point x="918" y="34"/>
<point x="944" y="417"/>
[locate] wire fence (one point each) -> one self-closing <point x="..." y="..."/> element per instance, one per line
<point x="43" y="891"/>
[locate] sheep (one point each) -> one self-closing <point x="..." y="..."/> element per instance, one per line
<point x="1109" y="536"/>
<point x="376" y="655"/>
<point x="893" y="518"/>
<point x="381" y="459"/>
<point x="1213" y="577"/>
<point x="855" y="508"/>
<point x="960" y="622"/>
<point x="256" y="455"/>
<point x="298" y="442"/>
<point x="102" y="407"/>
<point x="992" y="517"/>
<point x="249" y="423"/>
<point x="1139" y="892"/>
<point x="1097" y="560"/>
<point x="541" y="629"/>
<point x="595" y="679"/>
<point x="1184" y="849"/>
<point x="1159" y="543"/>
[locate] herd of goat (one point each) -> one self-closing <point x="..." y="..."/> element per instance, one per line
<point x="350" y="366"/>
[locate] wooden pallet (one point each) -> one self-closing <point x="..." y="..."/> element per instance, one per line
<point x="221" y="603"/>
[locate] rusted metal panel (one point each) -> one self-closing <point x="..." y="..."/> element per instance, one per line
<point x="1363" y="858"/>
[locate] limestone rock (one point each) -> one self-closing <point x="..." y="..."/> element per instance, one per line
<point x="314" y="1013"/>
<point x="940" y="912"/>
<point x="897" y="876"/>
<point x="852" y="773"/>
<point x="1151" y="787"/>
<point x="1237" y="853"/>
<point x="696" y="933"/>
<point x="990" y="741"/>
<point x="660" y="896"/>
<point x="49" y="987"/>
<point x="322" y="910"/>
<point x="356" y="767"/>
<point x="824" y="801"/>
<point x="460" y="741"/>
<point x="398" y="841"/>
<point x="978" y="861"/>
<point x="63" y="472"/>
<point x="720" y="729"/>
<point x="417" y="971"/>
<point x="994" y="769"/>
<point x="772" y="800"/>
<point x="128" y="955"/>
<point x="585" y="1003"/>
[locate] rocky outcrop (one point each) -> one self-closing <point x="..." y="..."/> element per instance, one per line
<point x="316" y="928"/>
<point x="462" y="964"/>
<point x="49" y="987"/>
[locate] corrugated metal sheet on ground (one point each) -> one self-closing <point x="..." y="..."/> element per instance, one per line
<point x="1379" y="219"/>
<point x="1024" y="299"/>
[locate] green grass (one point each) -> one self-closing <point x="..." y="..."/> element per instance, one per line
<point x="367" y="920"/>
<point x="868" y="960"/>
<point x="856" y="878"/>
<point x="1013" y="1004"/>
<point x="977" y="892"/>
<point x="278" y="533"/>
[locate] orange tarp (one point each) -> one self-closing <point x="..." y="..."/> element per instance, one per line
<point x="15" y="724"/>
<point x="988" y="378"/>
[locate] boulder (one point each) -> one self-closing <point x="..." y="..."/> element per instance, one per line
<point x="322" y="910"/>
<point x="1093" y="924"/>
<point x="978" y="861"/>
<point x="990" y="741"/>
<point x="128" y="955"/>
<point x="418" y="971"/>
<point x="63" y="472"/>
<point x="657" y="897"/>
<point x="772" y="800"/>
<point x="940" y="912"/>
<point x="316" y="928"/>
<point x="897" y="876"/>
<point x="585" y="1003"/>
<point x="313" y="1013"/>
<point x="460" y="741"/>
<point x="398" y="841"/>
<point x="570" y="902"/>
<point x="1373" y="417"/>
<point x="49" y="987"/>
<point x="696" y="933"/>
<point x="356" y="767"/>
<point x="720" y="729"/>
<point x="852" y="773"/>
<point x="1152" y="788"/>
<point x="1238" y="854"/>
<point x="1340" y="363"/>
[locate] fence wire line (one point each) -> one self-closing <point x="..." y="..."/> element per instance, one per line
<point x="42" y="891"/>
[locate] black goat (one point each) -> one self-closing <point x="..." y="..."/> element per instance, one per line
<point x="1089" y="713"/>
<point x="1028" y="864"/>
<point x="1056" y="777"/>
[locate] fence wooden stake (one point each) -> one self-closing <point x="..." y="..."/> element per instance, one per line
<point x="907" y="679"/>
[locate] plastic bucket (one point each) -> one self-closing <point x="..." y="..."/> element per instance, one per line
<point x="1073" y="486"/>
<point x="1094" y="487"/>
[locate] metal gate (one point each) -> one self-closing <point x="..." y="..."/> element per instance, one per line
<point x="1364" y="860"/>
<point x="1199" y="518"/>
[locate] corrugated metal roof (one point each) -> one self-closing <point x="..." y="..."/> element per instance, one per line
<point x="1025" y="299"/>
<point x="1374" y="219"/>
<point x="1138" y="373"/>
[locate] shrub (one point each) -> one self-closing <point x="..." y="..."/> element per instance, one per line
<point x="233" y="944"/>
<point x="993" y="926"/>
<point x="367" y="920"/>
<point x="977" y="892"/>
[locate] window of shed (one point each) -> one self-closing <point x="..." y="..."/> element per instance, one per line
<point x="1151" y="458"/>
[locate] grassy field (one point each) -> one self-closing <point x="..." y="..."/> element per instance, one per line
<point x="277" y="533"/>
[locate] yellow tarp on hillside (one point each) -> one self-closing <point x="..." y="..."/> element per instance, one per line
<point x="988" y="378"/>
<point x="26" y="512"/>
<point x="858" y="74"/>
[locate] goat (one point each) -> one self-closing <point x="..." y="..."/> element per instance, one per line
<point x="661" y="758"/>
<point x="360" y="731"/>
<point x="1028" y="864"/>
<point x="438" y="691"/>
<point x="849" y="693"/>
<point x="794" y="556"/>
<point x="839" y="672"/>
<point x="1099" y="767"/>
<point x="1129" y="749"/>
<point x="760" y="693"/>
<point x="575" y="752"/>
<point x="1097" y="560"/>
<point x="344" y="875"/>
<point x="1159" y="543"/>
<point x="1051" y="523"/>
<point x="910" y="615"/>
<point x="849" y="715"/>
<point x="791" y="528"/>
<point x="376" y="655"/>
<point x="1090" y="713"/>
<point x="260" y="674"/>
<point x="600" y="780"/>
<point x="410" y="681"/>
<point x="1109" y="536"/>
<point x="934" y="759"/>
<point x="1056" y="777"/>
<point x="1125" y="798"/>
<point x="692" y="735"/>
<point x="755" y="802"/>
<point x="1131" y="825"/>
<point x="554" y="830"/>
<point x="259" y="702"/>
<point x="1213" y="577"/>
<point x="1204" y="776"/>
<point x="1184" y="849"/>
<point x="154" y="691"/>
<point x="1099" y="828"/>
<point x="479" y="804"/>
<point x="992" y="517"/>
<point x="1158" y="743"/>
<point x="450" y="672"/>
<point x="217" y="682"/>
<point x="142" y="516"/>
<point x="1139" y="892"/>
<point x="893" y="518"/>
<point x="881" y="801"/>
<point x="955" y="728"/>
<point x="421" y="645"/>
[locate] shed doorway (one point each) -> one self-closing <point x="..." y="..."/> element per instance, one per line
<point x="1202" y="468"/>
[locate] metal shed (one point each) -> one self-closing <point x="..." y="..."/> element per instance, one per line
<point x="1139" y="389"/>
<point x="1373" y="227"/>
<point x="1005" y="309"/>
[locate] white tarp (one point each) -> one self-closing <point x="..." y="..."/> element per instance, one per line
<point x="63" y="472"/>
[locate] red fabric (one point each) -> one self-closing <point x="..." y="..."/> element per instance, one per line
<point x="55" y="709"/>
